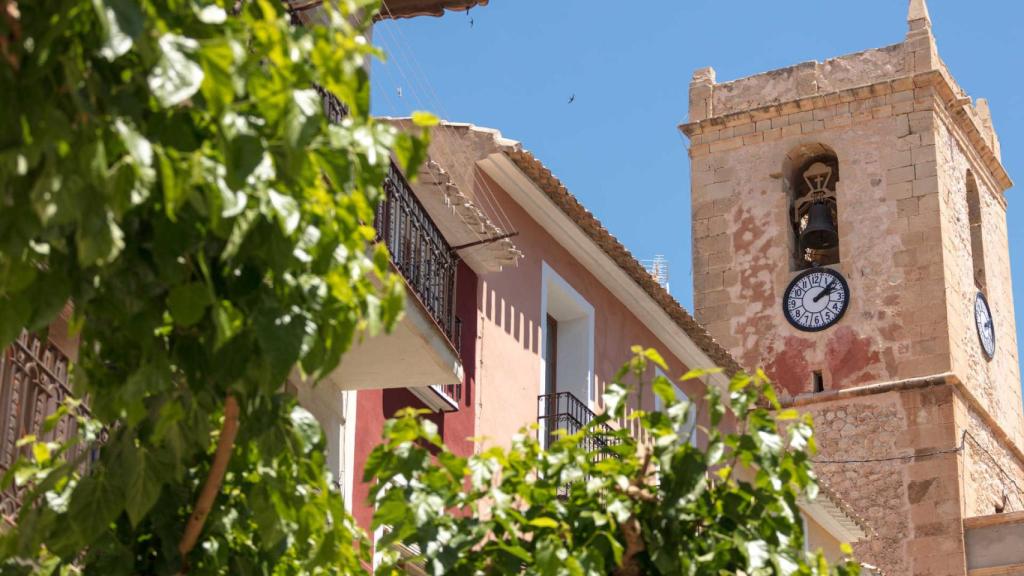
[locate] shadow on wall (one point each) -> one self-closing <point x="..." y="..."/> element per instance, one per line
<point x="499" y="310"/>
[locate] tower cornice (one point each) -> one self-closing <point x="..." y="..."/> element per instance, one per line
<point x="715" y="131"/>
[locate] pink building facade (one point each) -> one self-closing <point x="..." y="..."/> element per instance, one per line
<point x="547" y="303"/>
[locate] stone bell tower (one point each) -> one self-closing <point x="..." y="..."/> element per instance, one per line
<point x="878" y="169"/>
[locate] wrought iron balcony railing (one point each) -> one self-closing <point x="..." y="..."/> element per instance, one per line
<point x="564" y="411"/>
<point x="420" y="252"/>
<point x="418" y="249"/>
<point x="33" y="385"/>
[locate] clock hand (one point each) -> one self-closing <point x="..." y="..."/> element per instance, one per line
<point x="825" y="292"/>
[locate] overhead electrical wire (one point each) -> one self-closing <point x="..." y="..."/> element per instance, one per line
<point x="957" y="449"/>
<point x="483" y="195"/>
<point x="394" y="104"/>
<point x="484" y="192"/>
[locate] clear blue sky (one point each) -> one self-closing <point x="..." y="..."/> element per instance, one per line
<point x="629" y="63"/>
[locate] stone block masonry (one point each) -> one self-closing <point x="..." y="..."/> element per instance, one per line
<point x="917" y="428"/>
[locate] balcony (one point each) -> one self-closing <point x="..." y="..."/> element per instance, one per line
<point x="422" y="352"/>
<point x="419" y="251"/>
<point x="564" y="411"/>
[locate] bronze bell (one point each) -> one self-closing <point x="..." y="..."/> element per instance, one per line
<point x="820" y="233"/>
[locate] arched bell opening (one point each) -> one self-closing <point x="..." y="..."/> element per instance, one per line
<point x="811" y="173"/>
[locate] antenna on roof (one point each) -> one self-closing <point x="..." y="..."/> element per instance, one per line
<point x="657" y="267"/>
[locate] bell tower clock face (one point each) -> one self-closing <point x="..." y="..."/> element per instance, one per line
<point x="986" y="330"/>
<point x="816" y="299"/>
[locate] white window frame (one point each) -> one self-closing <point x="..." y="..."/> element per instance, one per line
<point x="575" y="317"/>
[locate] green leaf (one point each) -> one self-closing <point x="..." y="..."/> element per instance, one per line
<point x="14" y="314"/>
<point x="543" y="522"/>
<point x="286" y="211"/>
<point x="188" y="302"/>
<point x="97" y="500"/>
<point x="137" y="145"/>
<point x="664" y="389"/>
<point x="307" y="426"/>
<point x="424" y="119"/>
<point x="210" y="14"/>
<point x="117" y="43"/>
<point x="176" y="77"/>
<point x="17" y="274"/>
<point x="143" y="485"/>
<point x="280" y="338"/>
<point x="788" y="414"/>
<point x="615" y="397"/>
<point x="174" y="194"/>
<point x="757" y="555"/>
<point x="217" y="59"/>
<point x="149" y="379"/>
<point x="228" y="322"/>
<point x="517" y="551"/>
<point x="652" y="355"/>
<point x="99" y="238"/>
<point x="41" y="452"/>
<point x="128" y="15"/>
<point x="715" y="452"/>
<point x="410" y="153"/>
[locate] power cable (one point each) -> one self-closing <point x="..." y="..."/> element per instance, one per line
<point x="486" y="195"/>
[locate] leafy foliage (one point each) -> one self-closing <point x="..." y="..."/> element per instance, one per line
<point x="667" y="507"/>
<point x="167" y="167"/>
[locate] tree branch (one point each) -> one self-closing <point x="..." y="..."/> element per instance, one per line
<point x="634" y="545"/>
<point x="631" y="531"/>
<point x="225" y="444"/>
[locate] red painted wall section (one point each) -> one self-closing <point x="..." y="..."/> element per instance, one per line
<point x="373" y="407"/>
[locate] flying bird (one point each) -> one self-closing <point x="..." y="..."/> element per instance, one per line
<point x="572" y="99"/>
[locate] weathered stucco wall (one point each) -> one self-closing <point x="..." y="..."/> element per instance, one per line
<point x="889" y="230"/>
<point x="510" y="329"/>
<point x="509" y="348"/>
<point x="916" y="428"/>
<point x="457" y="428"/>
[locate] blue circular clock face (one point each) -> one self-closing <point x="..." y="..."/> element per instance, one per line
<point x="816" y="299"/>
<point x="986" y="329"/>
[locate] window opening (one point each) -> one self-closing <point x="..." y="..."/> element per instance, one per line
<point x="818" y="381"/>
<point x="551" y="354"/>
<point x="814" y="212"/>
<point x="977" y="241"/>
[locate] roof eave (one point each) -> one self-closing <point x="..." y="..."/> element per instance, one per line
<point x="395" y="9"/>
